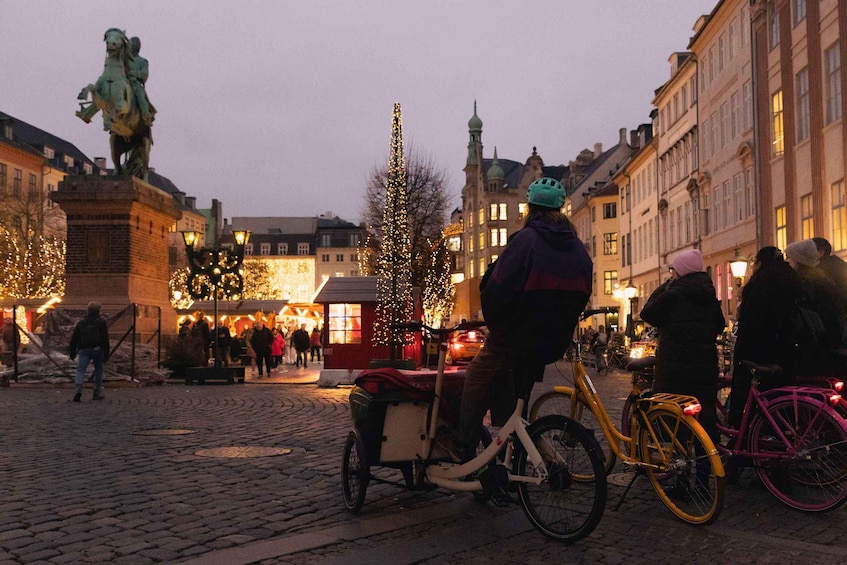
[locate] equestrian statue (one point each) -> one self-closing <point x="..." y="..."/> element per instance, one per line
<point x="121" y="96"/>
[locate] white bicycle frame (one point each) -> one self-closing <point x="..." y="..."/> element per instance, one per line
<point x="449" y="475"/>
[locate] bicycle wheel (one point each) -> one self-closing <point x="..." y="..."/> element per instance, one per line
<point x="355" y="473"/>
<point x="559" y="404"/>
<point x="813" y="475"/>
<point x="684" y="466"/>
<point x="568" y="505"/>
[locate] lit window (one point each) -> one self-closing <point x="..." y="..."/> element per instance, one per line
<point x="523" y="208"/>
<point x="807" y="222"/>
<point x="481" y="216"/>
<point x="481" y="241"/>
<point x="345" y="323"/>
<point x="839" y="216"/>
<point x="610" y="281"/>
<point x="777" y="137"/>
<point x="492" y="212"/>
<point x="610" y="243"/>
<point x="504" y="237"/>
<point x="503" y="207"/>
<point x="781" y="230"/>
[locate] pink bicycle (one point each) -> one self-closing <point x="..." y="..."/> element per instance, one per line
<point x="795" y="438"/>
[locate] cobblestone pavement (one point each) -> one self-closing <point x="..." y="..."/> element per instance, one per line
<point x="88" y="483"/>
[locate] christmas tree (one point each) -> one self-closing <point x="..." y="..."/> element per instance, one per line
<point x="394" y="288"/>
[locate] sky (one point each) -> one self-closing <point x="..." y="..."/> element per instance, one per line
<point x="284" y="108"/>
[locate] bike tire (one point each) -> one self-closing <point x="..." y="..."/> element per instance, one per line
<point x="815" y="480"/>
<point x="569" y="504"/>
<point x="355" y="473"/>
<point x="686" y="471"/>
<point x="559" y="404"/>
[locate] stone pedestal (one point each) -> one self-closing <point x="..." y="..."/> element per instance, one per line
<point x="117" y="248"/>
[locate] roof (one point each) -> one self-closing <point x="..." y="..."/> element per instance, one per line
<point x="347" y="289"/>
<point x="236" y="308"/>
<point x="278" y="225"/>
<point x="29" y="137"/>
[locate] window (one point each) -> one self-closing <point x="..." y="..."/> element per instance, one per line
<point x="49" y="153"/>
<point x="781" y="229"/>
<point x="832" y="57"/>
<point x="777" y="133"/>
<point x="326" y="240"/>
<point x="17" y="183"/>
<point x="248" y="249"/>
<point x="749" y="193"/>
<point x="324" y="257"/>
<point x="339" y="257"/>
<point x="481" y="216"/>
<point x="707" y="147"/>
<point x="354" y="257"/>
<point x="353" y="240"/>
<point x="345" y="323"/>
<point x="724" y="124"/>
<point x="807" y="222"/>
<point x="481" y="266"/>
<point x="503" y="208"/>
<point x="735" y="115"/>
<point x="523" y="208"/>
<point x="693" y="90"/>
<point x="803" y="119"/>
<point x="265" y="248"/>
<point x="470" y="243"/>
<point x="282" y="249"/>
<point x="799" y="11"/>
<point x="610" y="281"/>
<point x="721" y="52"/>
<point x="2" y="177"/>
<point x="738" y="189"/>
<point x="302" y="249"/>
<point x="745" y="26"/>
<point x="504" y="237"/>
<point x="610" y="243"/>
<point x="773" y="26"/>
<point x="839" y="216"/>
<point x="481" y="241"/>
<point x="733" y="38"/>
<point x="610" y="210"/>
<point x="747" y="104"/>
<point x="492" y="212"/>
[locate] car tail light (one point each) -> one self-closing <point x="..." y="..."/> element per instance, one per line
<point x="472" y="335"/>
<point x="457" y="346"/>
<point x="692" y="409"/>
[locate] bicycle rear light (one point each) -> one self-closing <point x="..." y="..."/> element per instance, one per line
<point x="838" y="385"/>
<point x="692" y="409"/>
<point x="834" y="399"/>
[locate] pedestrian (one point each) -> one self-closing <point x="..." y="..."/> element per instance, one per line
<point x="315" y="339"/>
<point x="90" y="340"/>
<point x="247" y="338"/>
<point x="185" y="330"/>
<point x="687" y="316"/>
<point x="262" y="340"/>
<point x="277" y="347"/>
<point x="598" y="345"/>
<point x="203" y="335"/>
<point x="290" y="352"/>
<point x="8" y="335"/>
<point x="763" y="329"/>
<point x="531" y="296"/>
<point x="224" y="340"/>
<point x="820" y="294"/>
<point x="302" y="342"/>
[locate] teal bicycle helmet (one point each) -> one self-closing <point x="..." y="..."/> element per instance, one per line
<point x="546" y="192"/>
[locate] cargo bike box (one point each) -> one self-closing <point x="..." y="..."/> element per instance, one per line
<point x="391" y="409"/>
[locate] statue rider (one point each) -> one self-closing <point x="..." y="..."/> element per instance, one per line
<point x="137" y="74"/>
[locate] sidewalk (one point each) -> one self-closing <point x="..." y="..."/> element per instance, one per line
<point x="286" y="374"/>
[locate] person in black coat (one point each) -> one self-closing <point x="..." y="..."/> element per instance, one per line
<point x="261" y="341"/>
<point x="764" y="325"/>
<point x="90" y="340"/>
<point x="302" y="343"/>
<point x="688" y="317"/>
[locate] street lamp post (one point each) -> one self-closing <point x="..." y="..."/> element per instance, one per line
<point x="629" y="293"/>
<point x="215" y="272"/>
<point x="738" y="266"/>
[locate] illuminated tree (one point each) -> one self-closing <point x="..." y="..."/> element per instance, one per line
<point x="32" y="265"/>
<point x="394" y="286"/>
<point x="257" y="284"/>
<point x="438" y="295"/>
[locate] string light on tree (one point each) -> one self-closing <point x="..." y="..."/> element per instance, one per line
<point x="439" y="293"/>
<point x="393" y="287"/>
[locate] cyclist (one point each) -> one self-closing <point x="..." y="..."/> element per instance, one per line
<point x="688" y="317"/>
<point x="531" y="299"/>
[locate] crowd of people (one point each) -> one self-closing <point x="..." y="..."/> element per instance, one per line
<point x="264" y="345"/>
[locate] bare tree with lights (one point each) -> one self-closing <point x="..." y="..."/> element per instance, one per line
<point x="439" y="292"/>
<point x="394" y="285"/>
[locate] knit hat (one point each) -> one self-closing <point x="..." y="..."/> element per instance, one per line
<point x="690" y="261"/>
<point x="804" y="252"/>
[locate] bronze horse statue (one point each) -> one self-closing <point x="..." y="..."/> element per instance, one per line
<point x="119" y="94"/>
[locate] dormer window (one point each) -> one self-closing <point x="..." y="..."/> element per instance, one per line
<point x="69" y="161"/>
<point x="49" y="153"/>
<point x="86" y="167"/>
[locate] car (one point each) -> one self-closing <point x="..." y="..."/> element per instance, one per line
<point x="464" y="346"/>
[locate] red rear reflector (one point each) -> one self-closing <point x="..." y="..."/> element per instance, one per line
<point x="834" y="399"/>
<point x="838" y="385"/>
<point x="692" y="409"/>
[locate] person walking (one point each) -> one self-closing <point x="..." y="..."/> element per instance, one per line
<point x="302" y="342"/>
<point x="262" y="340"/>
<point x="315" y="340"/>
<point x="277" y="347"/>
<point x="223" y="343"/>
<point x="203" y="335"/>
<point x="688" y="317"/>
<point x="90" y="340"/>
<point x="290" y="352"/>
<point x="247" y="338"/>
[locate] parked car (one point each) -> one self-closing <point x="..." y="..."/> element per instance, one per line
<point x="464" y="346"/>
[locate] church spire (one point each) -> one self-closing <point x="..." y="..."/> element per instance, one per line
<point x="475" y="139"/>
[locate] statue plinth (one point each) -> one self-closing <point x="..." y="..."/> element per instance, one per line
<point x="117" y="247"/>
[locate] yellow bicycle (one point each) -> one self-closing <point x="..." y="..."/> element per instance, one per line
<point x="665" y="441"/>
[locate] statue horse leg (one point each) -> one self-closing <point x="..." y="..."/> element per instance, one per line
<point x="87" y="108"/>
<point x="117" y="149"/>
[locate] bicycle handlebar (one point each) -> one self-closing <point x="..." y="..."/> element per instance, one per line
<point x="420" y="326"/>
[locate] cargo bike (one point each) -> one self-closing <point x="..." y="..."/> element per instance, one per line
<point x="554" y="465"/>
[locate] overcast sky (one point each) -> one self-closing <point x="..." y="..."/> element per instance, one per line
<point x="282" y="108"/>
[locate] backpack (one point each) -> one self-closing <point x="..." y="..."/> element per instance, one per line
<point x="808" y="335"/>
<point x="89" y="334"/>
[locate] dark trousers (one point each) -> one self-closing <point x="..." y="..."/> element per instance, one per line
<point x="264" y="357"/>
<point x="301" y="355"/>
<point x="316" y="352"/>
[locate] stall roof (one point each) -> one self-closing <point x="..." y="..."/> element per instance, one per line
<point x="338" y="290"/>
<point x="236" y="308"/>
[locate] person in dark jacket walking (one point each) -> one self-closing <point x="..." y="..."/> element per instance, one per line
<point x="763" y="325"/>
<point x="261" y="340"/>
<point x="688" y="318"/>
<point x="301" y="341"/>
<point x="90" y="340"/>
<point x="531" y="299"/>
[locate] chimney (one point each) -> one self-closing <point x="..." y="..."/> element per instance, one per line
<point x="622" y="136"/>
<point x="100" y="162"/>
<point x="598" y="149"/>
<point x="191" y="202"/>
